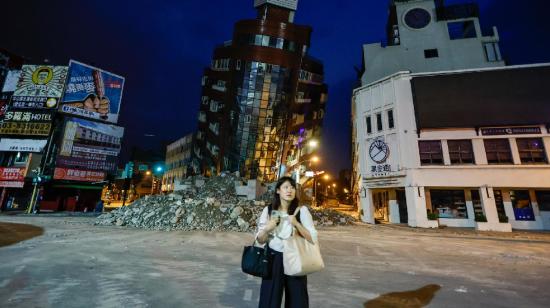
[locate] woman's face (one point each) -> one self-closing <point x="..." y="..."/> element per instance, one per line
<point x="287" y="192"/>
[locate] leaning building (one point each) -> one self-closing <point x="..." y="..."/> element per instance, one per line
<point x="263" y="97"/>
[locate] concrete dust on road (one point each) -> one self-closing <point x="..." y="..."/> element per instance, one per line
<point x="11" y="233"/>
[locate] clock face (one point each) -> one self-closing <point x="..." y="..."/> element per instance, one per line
<point x="418" y="18"/>
<point x="379" y="151"/>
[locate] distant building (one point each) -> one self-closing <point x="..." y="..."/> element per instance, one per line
<point x="428" y="36"/>
<point x="178" y="162"/>
<point x="459" y="147"/>
<point x="263" y="97"/>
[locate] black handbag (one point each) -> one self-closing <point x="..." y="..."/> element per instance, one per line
<point x="256" y="261"/>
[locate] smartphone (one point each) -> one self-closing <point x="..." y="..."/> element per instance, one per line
<point x="275" y="214"/>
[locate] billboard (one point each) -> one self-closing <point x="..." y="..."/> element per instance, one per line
<point x="92" y="92"/>
<point x="22" y="145"/>
<point x="39" y="86"/>
<point x="12" y="177"/>
<point x="88" y="145"/>
<point x="78" y="175"/>
<point x="27" y="122"/>
<point x="10" y="84"/>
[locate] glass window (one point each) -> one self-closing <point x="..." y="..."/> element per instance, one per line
<point x="430" y="152"/>
<point x="498" y="151"/>
<point x="543" y="199"/>
<point x="523" y="210"/>
<point x="431" y="53"/>
<point x="258" y="40"/>
<point x="461" y="152"/>
<point x="391" y="123"/>
<point x="265" y="40"/>
<point x="462" y="30"/>
<point x="449" y="203"/>
<point x="476" y="201"/>
<point x="369" y="125"/>
<point x="379" y="124"/>
<point x="531" y="150"/>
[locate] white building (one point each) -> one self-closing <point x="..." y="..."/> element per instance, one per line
<point x="458" y="144"/>
<point x="178" y="162"/>
<point x="428" y="36"/>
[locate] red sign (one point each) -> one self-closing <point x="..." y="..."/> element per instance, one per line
<point x="12" y="174"/>
<point x="78" y="175"/>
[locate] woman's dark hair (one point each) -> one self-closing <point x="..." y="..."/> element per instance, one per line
<point x="277" y="199"/>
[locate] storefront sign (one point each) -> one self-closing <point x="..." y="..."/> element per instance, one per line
<point x="27" y="122"/>
<point x="22" y="145"/>
<point x="495" y="131"/>
<point x="90" y="145"/>
<point x="3" y="107"/>
<point x="40" y="86"/>
<point x="78" y="175"/>
<point x="12" y="184"/>
<point x="379" y="153"/>
<point x="12" y="174"/>
<point x="92" y="93"/>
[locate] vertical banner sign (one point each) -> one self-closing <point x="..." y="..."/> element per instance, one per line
<point x="39" y="87"/>
<point x="89" y="146"/>
<point x="92" y="93"/>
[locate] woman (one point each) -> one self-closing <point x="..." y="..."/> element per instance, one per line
<point x="274" y="228"/>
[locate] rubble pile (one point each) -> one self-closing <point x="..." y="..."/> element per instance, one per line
<point x="207" y="204"/>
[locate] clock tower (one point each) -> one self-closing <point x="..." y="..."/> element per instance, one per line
<point x="429" y="36"/>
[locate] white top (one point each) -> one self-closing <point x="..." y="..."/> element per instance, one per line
<point x="284" y="229"/>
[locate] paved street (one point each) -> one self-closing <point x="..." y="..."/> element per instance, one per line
<point x="77" y="264"/>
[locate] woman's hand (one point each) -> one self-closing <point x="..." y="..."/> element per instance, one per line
<point x="293" y="221"/>
<point x="272" y="224"/>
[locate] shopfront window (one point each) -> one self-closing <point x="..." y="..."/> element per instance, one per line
<point x="523" y="210"/>
<point x="543" y="199"/>
<point x="498" y="151"/>
<point x="531" y="150"/>
<point x="499" y="201"/>
<point x="430" y="152"/>
<point x="476" y="201"/>
<point x="461" y="152"/>
<point x="449" y="203"/>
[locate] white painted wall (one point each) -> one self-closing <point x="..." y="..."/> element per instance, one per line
<point x="409" y="55"/>
<point x="395" y="93"/>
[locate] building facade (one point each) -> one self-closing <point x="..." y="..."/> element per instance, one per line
<point x="465" y="148"/>
<point x="263" y="97"/>
<point x="178" y="162"/>
<point x="429" y="36"/>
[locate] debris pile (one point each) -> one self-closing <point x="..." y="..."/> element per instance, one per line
<point x="207" y="204"/>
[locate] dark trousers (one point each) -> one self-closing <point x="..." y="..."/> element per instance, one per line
<point x="295" y="288"/>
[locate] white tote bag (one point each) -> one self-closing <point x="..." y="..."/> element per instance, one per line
<point x="301" y="257"/>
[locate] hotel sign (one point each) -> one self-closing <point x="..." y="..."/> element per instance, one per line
<point x="496" y="131"/>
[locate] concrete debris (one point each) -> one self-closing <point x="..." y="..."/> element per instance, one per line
<point x="207" y="204"/>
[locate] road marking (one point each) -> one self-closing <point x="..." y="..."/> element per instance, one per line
<point x="247" y="295"/>
<point x="358" y="251"/>
<point x="249" y="277"/>
<point x="4" y="283"/>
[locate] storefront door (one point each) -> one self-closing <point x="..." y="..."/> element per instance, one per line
<point x="381" y="205"/>
<point x="402" y="202"/>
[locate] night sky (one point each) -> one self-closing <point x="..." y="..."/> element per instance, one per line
<point x="162" y="47"/>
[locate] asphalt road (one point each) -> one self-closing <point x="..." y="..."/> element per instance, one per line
<point x="77" y="264"/>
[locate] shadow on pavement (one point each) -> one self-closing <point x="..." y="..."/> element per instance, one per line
<point x="408" y="299"/>
<point x="14" y="233"/>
